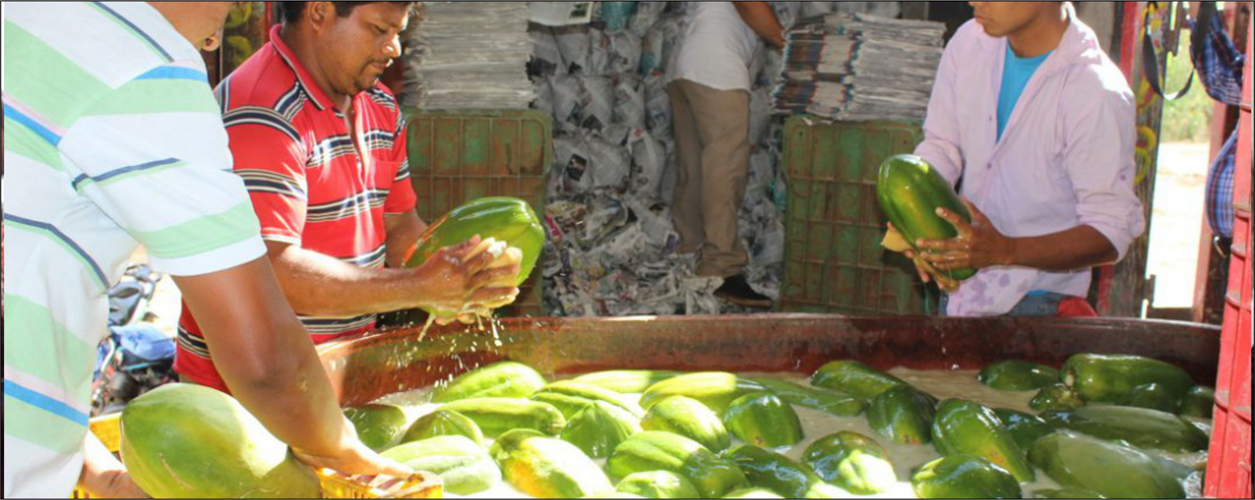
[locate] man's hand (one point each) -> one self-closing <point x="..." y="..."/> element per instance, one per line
<point x="111" y="484"/>
<point x="978" y="245"/>
<point x="896" y="243"/>
<point x="103" y="475"/>
<point x="464" y="278"/>
<point x="354" y="458"/>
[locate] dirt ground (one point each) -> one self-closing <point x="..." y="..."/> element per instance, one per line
<point x="1176" y="222"/>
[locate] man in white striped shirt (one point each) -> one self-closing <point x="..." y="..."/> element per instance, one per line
<point x="112" y="139"/>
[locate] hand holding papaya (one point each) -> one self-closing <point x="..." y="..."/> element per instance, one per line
<point x="354" y="458"/>
<point x="978" y="245"/>
<point x="895" y="242"/>
<point x="470" y="278"/>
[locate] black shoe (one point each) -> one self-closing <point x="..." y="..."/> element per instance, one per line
<point x="737" y="291"/>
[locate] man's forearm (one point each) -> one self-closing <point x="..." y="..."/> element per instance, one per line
<point x="403" y="230"/>
<point x="319" y="285"/>
<point x="265" y="356"/>
<point x="761" y="18"/>
<point x="1078" y="248"/>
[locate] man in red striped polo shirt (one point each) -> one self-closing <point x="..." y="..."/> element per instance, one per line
<point x="321" y="147"/>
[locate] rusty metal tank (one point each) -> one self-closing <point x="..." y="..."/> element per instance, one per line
<point x="366" y="367"/>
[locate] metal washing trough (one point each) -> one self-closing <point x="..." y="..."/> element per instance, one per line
<point x="366" y="367"/>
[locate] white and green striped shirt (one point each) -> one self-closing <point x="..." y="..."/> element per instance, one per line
<point x="112" y="138"/>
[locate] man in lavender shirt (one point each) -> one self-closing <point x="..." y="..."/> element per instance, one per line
<point x="1035" y="124"/>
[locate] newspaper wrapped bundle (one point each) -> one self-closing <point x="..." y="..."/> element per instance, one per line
<point x="859" y="67"/>
<point x="469" y="55"/>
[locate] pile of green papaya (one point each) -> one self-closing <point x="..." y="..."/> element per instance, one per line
<point x="666" y="434"/>
<point x="720" y="435"/>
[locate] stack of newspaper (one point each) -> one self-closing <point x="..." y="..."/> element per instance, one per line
<point x="859" y="67"/>
<point x="469" y="55"/>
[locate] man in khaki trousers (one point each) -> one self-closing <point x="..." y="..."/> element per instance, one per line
<point x="709" y="90"/>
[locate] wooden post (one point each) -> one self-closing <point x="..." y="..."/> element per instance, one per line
<point x="1122" y="289"/>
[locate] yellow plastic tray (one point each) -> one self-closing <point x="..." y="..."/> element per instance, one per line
<point x="334" y="484"/>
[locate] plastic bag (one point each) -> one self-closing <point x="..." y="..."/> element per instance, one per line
<point x="616" y="15"/>
<point x="573" y="44"/>
<point x="649" y="157"/>
<point x="598" y="94"/>
<point x="629" y="103"/>
<point x="647" y="13"/>
<point x="568" y="103"/>
<point x="546" y="59"/>
<point x="610" y="164"/>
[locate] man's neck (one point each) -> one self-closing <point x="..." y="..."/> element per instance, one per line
<point x="304" y="53"/>
<point x="1040" y="36"/>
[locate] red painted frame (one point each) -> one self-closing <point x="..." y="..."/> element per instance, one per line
<point x="1229" y="462"/>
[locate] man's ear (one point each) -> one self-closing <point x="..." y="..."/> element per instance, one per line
<point x="320" y="15"/>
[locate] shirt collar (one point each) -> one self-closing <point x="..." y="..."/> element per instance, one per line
<point x="307" y="82"/>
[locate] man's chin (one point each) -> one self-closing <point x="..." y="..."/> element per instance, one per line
<point x="993" y="32"/>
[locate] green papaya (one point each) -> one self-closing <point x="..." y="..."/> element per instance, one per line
<point x="903" y="414"/>
<point x="1140" y="427"/>
<point x="1152" y="396"/>
<point x="1056" y="398"/>
<point x="832" y="403"/>
<point x="377" y="426"/>
<point x="762" y="419"/>
<point x="910" y="191"/>
<point x="507" y="379"/>
<point x="566" y="404"/>
<point x="1109" y="378"/>
<point x="190" y="441"/>
<point x="546" y="467"/>
<point x="752" y="493"/>
<point x="777" y="473"/>
<point x="713" y="389"/>
<point x="657" y="484"/>
<point x="1078" y="461"/>
<point x="854" y="378"/>
<point x="1015" y="375"/>
<point x="651" y="450"/>
<point x="1025" y="428"/>
<point x="625" y="381"/>
<point x="1199" y="402"/>
<point x="495" y="416"/>
<point x="510" y="220"/>
<point x="444" y="422"/>
<point x="689" y="418"/>
<point x="963" y="427"/>
<point x="598" y="429"/>
<point x="590" y="392"/>
<point x="1066" y="493"/>
<point x="463" y="465"/>
<point x="964" y="476"/>
<point x="851" y="461"/>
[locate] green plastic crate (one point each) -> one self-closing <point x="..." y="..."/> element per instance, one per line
<point x="833" y="225"/>
<point x="459" y="156"/>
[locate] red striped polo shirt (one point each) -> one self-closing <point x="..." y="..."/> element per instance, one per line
<point x="308" y="183"/>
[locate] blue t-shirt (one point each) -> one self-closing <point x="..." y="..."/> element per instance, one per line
<point x="1016" y="72"/>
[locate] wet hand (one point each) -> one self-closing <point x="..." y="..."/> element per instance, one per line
<point x="470" y="278"/>
<point x="354" y="458"/>
<point x="978" y="244"/>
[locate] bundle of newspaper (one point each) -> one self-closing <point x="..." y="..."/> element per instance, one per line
<point x="857" y="66"/>
<point x="469" y="55"/>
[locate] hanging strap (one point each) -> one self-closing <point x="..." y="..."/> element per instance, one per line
<point x="1150" y="60"/>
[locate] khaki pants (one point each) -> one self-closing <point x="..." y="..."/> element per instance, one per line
<point x="712" y="146"/>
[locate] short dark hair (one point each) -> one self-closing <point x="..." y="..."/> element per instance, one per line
<point x="290" y="12"/>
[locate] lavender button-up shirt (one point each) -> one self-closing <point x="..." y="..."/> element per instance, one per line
<point x="1065" y="159"/>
